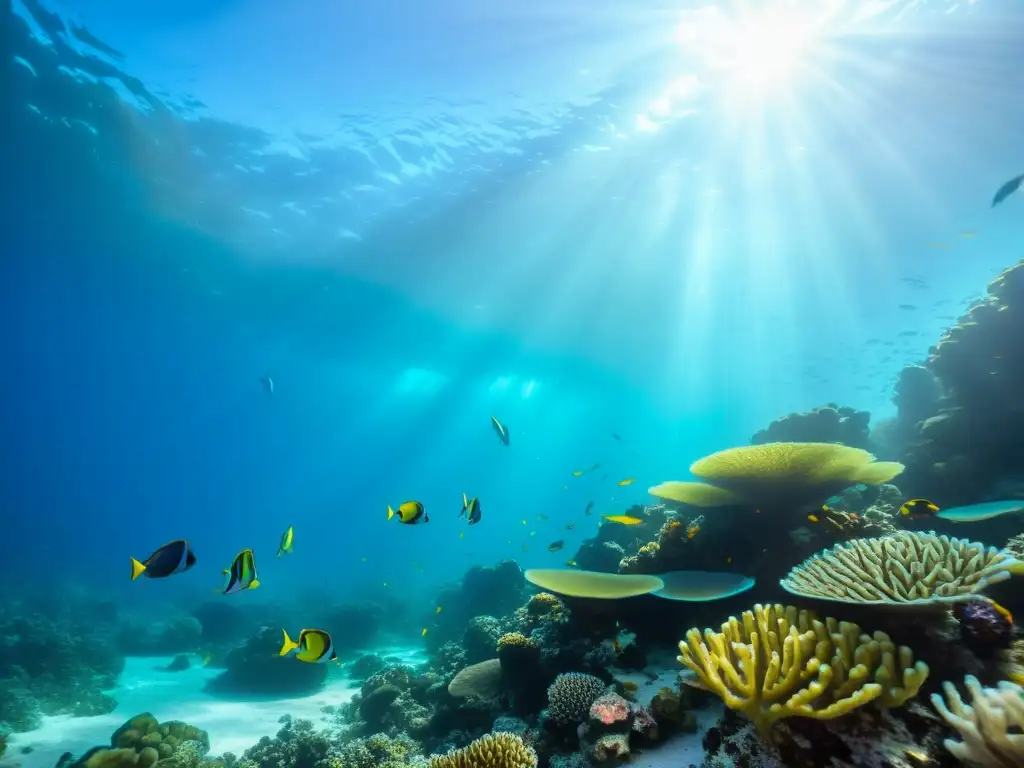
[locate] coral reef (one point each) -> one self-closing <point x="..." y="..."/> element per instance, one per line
<point x="256" y="669"/>
<point x="908" y="568"/>
<point x="494" y="591"/>
<point x="571" y="695"/>
<point x="144" y="742"/>
<point x="828" y="424"/>
<point x="970" y="441"/>
<point x="494" y="750"/>
<point x="605" y="737"/>
<point x="54" y="666"/>
<point x="779" y="662"/>
<point x="990" y="726"/>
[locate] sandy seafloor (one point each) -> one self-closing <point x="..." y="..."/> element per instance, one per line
<point x="235" y="725"/>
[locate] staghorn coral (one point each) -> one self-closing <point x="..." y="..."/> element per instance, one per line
<point x="780" y="662"/>
<point x="788" y="476"/>
<point x="985" y="724"/>
<point x="493" y="750"/>
<point x="907" y="568"/>
<point x="570" y="697"/>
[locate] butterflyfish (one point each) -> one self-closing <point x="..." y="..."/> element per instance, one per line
<point x="287" y="541"/>
<point x="623" y="519"/>
<point x="984" y="511"/>
<point x="242" y="573"/>
<point x="501" y="430"/>
<point x="471" y="509"/>
<point x="918" y="508"/>
<point x="314" y="646"/>
<point x="409" y="513"/>
<point x="627" y="481"/>
<point x="268" y="384"/>
<point x="174" y="557"/>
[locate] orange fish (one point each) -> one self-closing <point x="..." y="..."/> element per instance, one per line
<point x="692" y="531"/>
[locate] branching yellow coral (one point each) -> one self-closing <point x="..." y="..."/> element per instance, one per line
<point x="495" y="750"/>
<point x="780" y="662"/>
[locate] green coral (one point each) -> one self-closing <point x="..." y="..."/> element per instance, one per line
<point x="143" y="741"/>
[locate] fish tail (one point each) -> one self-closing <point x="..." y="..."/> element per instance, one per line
<point x="288" y="645"/>
<point x="254" y="583"/>
<point x="280" y="552"/>
<point x="137" y="569"/>
<point x="391" y="512"/>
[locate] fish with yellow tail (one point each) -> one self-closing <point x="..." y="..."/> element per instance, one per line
<point x="471" y="509"/>
<point x="918" y="509"/>
<point x="174" y="557"/>
<point x="501" y="430"/>
<point x="241" y="575"/>
<point x="314" y="646"/>
<point x="409" y="513"/>
<point x="287" y="542"/>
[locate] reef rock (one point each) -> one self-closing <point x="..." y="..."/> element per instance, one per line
<point x="828" y="424"/>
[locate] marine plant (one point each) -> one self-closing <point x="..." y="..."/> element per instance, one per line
<point x="493" y="750"/>
<point x="991" y="725"/>
<point x="777" y="661"/>
<point x="907" y="568"/>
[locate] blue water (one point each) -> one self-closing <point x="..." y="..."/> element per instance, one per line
<point x="583" y="219"/>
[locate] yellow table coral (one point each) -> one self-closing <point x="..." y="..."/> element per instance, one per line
<point x="778" y="662"/>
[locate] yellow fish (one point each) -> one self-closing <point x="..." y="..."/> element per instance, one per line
<point x="582" y="472"/>
<point x="423" y="632"/>
<point x="627" y="481"/>
<point x="623" y="519"/>
<point x="409" y="513"/>
<point x="287" y="542"/>
<point x="314" y="646"/>
<point x="438" y="610"/>
<point x="918" y="508"/>
<point x="571" y="563"/>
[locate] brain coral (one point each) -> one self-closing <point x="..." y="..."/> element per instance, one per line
<point x="570" y="696"/>
<point x="494" y="750"/>
<point x="907" y="568"/>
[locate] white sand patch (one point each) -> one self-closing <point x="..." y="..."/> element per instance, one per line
<point x="234" y="726"/>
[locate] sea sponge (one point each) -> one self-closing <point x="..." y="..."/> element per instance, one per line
<point x="481" y="681"/>
<point x="780" y="662"/>
<point x="792" y="475"/>
<point x="695" y="494"/>
<point x="906" y="568"/>
<point x="606" y="586"/>
<point x="985" y="723"/>
<point x="493" y="750"/>
<point x="543" y="604"/>
<point x="570" y="697"/>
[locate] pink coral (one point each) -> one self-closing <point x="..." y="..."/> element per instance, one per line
<point x="609" y="709"/>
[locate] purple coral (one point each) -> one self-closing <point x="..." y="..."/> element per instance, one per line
<point x="983" y="626"/>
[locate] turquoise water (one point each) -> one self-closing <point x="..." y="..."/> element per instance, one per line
<point x="668" y="221"/>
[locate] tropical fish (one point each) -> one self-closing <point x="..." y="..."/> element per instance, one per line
<point x="587" y="509"/>
<point x="438" y="610"/>
<point x="615" y="436"/>
<point x="918" y="508"/>
<point x="471" y="509"/>
<point x="570" y="526"/>
<point x="268" y="384"/>
<point x="984" y="511"/>
<point x="409" y="513"/>
<point x="627" y="481"/>
<point x="692" y="531"/>
<point x="423" y="632"/>
<point x="554" y="546"/>
<point x="313" y="646"/>
<point x="1007" y="189"/>
<point x="242" y="573"/>
<point x="287" y="542"/>
<point x="581" y="472"/>
<point x="174" y="557"/>
<point x="623" y="519"/>
<point x="571" y="563"/>
<point x="501" y="430"/>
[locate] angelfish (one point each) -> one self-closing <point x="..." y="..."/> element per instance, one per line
<point x="471" y="509"/>
<point x="287" y="542"/>
<point x="501" y="429"/>
<point x="241" y="575"/>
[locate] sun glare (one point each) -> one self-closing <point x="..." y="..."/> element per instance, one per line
<point x="754" y="54"/>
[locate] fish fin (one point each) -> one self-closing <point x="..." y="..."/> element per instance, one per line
<point x="280" y="552"/>
<point x="465" y="502"/>
<point x="137" y="569"/>
<point x="391" y="512"/>
<point x="254" y="583"/>
<point x="288" y="645"/>
<point x="426" y="518"/>
<point x="225" y="571"/>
